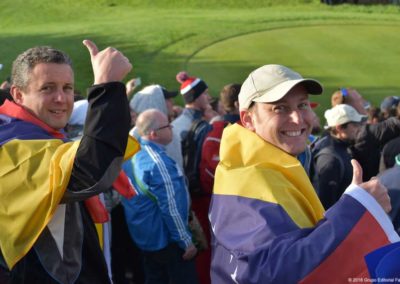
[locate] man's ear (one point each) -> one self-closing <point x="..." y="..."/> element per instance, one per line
<point x="236" y="104"/>
<point x="16" y="94"/>
<point x="339" y="131"/>
<point x="152" y="135"/>
<point x="246" y="119"/>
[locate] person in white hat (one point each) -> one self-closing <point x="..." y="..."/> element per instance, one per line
<point x="267" y="222"/>
<point x="331" y="157"/>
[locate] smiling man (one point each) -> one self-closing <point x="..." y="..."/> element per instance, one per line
<point x="46" y="232"/>
<point x="268" y="224"/>
<point x="48" y="92"/>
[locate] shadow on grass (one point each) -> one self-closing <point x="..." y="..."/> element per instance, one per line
<point x="139" y="55"/>
<point x="160" y="66"/>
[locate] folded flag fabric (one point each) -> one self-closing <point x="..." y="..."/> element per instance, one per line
<point x="36" y="165"/>
<point x="34" y="176"/>
<point x="268" y="225"/>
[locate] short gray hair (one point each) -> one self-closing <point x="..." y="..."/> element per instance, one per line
<point x="26" y="61"/>
<point x="148" y="121"/>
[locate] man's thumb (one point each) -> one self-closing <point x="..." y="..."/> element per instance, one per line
<point x="91" y="46"/>
<point x="357" y="172"/>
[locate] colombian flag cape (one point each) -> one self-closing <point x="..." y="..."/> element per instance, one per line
<point x="269" y="226"/>
<point x="36" y="163"/>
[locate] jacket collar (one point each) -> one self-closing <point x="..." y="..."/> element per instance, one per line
<point x="14" y="110"/>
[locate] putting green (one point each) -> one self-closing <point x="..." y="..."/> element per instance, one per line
<point x="365" y="57"/>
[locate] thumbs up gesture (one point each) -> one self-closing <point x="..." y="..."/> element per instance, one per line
<point x="108" y="65"/>
<point x="373" y="187"/>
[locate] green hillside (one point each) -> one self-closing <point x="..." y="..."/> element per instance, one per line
<point x="221" y="41"/>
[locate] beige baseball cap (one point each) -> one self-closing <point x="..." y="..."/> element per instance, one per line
<point x="272" y="82"/>
<point x="341" y="114"/>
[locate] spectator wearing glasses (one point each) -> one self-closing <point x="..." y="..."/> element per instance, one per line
<point x="331" y="157"/>
<point x="158" y="97"/>
<point x="157" y="217"/>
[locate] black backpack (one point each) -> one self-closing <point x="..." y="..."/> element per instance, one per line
<point x="191" y="152"/>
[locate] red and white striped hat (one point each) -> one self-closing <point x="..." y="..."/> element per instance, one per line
<point x="191" y="87"/>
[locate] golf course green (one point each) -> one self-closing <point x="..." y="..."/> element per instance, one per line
<point x="365" y="57"/>
<point x="220" y="41"/>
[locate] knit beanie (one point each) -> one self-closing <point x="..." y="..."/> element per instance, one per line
<point x="191" y="87"/>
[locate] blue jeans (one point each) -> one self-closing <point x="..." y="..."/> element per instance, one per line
<point x="166" y="266"/>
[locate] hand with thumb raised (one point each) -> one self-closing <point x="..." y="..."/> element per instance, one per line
<point x="91" y="46"/>
<point x="108" y="65"/>
<point x="373" y="187"/>
<point x="357" y="172"/>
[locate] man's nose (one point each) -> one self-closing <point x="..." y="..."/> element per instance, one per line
<point x="296" y="116"/>
<point x="60" y="95"/>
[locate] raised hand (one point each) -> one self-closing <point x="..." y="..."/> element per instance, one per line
<point x="109" y="65"/>
<point x="373" y="187"/>
<point x="131" y="85"/>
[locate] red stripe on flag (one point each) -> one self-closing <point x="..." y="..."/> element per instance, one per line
<point x="123" y="186"/>
<point x="97" y="209"/>
<point x="347" y="261"/>
<point x="16" y="111"/>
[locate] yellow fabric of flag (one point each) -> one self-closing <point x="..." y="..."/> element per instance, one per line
<point x="253" y="168"/>
<point x="34" y="175"/>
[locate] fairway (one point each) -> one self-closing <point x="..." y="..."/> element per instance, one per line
<point x="365" y="57"/>
<point x="341" y="45"/>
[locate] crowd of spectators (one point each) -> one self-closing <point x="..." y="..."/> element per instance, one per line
<point x="163" y="234"/>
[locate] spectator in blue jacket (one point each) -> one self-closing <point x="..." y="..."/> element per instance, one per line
<point x="157" y="217"/>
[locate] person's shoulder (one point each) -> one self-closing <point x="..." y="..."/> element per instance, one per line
<point x="153" y="150"/>
<point x="178" y="120"/>
<point x="320" y="143"/>
<point x="367" y="129"/>
<point x="329" y="152"/>
<point x="391" y="177"/>
<point x="394" y="143"/>
<point x="393" y="171"/>
<point x="19" y="129"/>
<point x="144" y="154"/>
<point x="161" y="162"/>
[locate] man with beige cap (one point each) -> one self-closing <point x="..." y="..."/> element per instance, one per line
<point x="331" y="155"/>
<point x="267" y="222"/>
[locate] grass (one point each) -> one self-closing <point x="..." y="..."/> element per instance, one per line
<point x="221" y="41"/>
<point x="368" y="62"/>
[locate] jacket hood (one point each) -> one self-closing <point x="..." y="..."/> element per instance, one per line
<point x="149" y="97"/>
